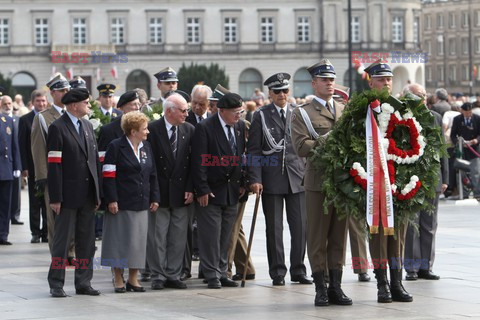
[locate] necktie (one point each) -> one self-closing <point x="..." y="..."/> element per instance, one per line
<point x="63" y="111"/>
<point x="80" y="129"/>
<point x="199" y="119"/>
<point x="107" y="114"/>
<point x="282" y="115"/>
<point x="231" y="141"/>
<point x="330" y="108"/>
<point x="173" y="140"/>
<point x="467" y="121"/>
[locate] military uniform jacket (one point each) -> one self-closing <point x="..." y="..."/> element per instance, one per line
<point x="322" y="122"/>
<point x="132" y="184"/>
<point x="9" y="153"/>
<point x="174" y="176"/>
<point x="73" y="165"/>
<point x="39" y="134"/>
<point x="269" y="174"/>
<point x="24" y="141"/>
<point x="224" y="181"/>
<point x="109" y="132"/>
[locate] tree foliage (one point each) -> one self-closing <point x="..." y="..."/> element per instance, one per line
<point x="194" y="74"/>
<point x="7" y="84"/>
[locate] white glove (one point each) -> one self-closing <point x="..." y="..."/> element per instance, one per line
<point x="16" y="174"/>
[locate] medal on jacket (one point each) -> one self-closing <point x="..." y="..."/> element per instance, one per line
<point x="143" y="156"/>
<point x="9" y="131"/>
<point x="3" y="119"/>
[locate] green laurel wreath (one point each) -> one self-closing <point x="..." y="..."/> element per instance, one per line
<point x="156" y="112"/>
<point x="346" y="145"/>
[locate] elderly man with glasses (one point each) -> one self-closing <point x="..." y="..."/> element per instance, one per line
<point x="279" y="180"/>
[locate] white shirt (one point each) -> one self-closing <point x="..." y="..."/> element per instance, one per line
<point x="59" y="110"/>
<point x="324" y="103"/>
<point x="225" y="130"/>
<point x="140" y="145"/>
<point x="169" y="126"/>
<point x="74" y="121"/>
<point x="104" y="111"/>
<point x="284" y="110"/>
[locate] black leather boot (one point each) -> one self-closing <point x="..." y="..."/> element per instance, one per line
<point x="335" y="292"/>
<point x="398" y="291"/>
<point x="383" y="293"/>
<point x="321" y="297"/>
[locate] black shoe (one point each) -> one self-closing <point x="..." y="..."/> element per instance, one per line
<point x="44" y="239"/>
<point x="411" y="276"/>
<point x="146" y="277"/>
<point x="134" y="288"/>
<point x="158" y="284"/>
<point x="228" y="282"/>
<point x="58" y="293"/>
<point x="427" y="274"/>
<point x="396" y="287"/>
<point x="363" y="277"/>
<point x="175" y="284"/>
<point x="335" y="292"/>
<point x="239" y="276"/>
<point x="321" y="296"/>
<point x="383" y="289"/>
<point x="120" y="290"/>
<point x="302" y="279"/>
<point x="18" y="222"/>
<point x="89" y="291"/>
<point x="5" y="242"/>
<point x="35" y="239"/>
<point x="185" y="276"/>
<point x="278" y="281"/>
<point x="214" y="284"/>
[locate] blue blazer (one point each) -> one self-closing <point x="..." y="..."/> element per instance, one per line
<point x="131" y="183"/>
<point x="9" y="152"/>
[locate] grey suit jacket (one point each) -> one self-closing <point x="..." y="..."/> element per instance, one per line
<point x="269" y="173"/>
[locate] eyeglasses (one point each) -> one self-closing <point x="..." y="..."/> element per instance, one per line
<point x="277" y="91"/>
<point x="182" y="110"/>
<point x="237" y="113"/>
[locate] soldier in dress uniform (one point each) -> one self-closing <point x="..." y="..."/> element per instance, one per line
<point x="279" y="181"/>
<point x="58" y="86"/>
<point x="106" y="92"/>
<point x="216" y="95"/>
<point x="10" y="167"/>
<point x="387" y="247"/>
<point x="78" y="82"/>
<point x="326" y="234"/>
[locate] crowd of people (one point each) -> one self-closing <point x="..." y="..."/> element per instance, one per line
<point x="174" y="189"/>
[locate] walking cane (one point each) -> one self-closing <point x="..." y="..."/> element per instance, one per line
<point x="250" y="238"/>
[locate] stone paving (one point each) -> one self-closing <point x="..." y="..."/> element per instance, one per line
<point x="25" y="295"/>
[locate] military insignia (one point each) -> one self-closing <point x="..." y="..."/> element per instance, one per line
<point x="107" y="86"/>
<point x="9" y="131"/>
<point x="3" y="119"/>
<point x="382" y="66"/>
<point x="327" y="67"/>
<point x="280" y="77"/>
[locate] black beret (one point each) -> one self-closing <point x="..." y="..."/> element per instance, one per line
<point x="230" y="101"/>
<point x="126" y="98"/>
<point x="75" y="95"/>
<point x="185" y="95"/>
<point x="467" y="106"/>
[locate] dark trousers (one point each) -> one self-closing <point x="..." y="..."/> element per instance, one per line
<point x="297" y="222"/>
<point x="80" y="221"/>
<point x="15" y="206"/>
<point x="5" y="203"/>
<point x="215" y="224"/>
<point x="37" y="210"/>
<point x="420" y="244"/>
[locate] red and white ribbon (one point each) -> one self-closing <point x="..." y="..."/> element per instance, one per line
<point x="55" y="157"/>
<point x="101" y="156"/>
<point x="379" y="204"/>
<point x="109" y="171"/>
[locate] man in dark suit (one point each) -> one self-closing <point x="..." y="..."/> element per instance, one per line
<point x="218" y="146"/>
<point x="58" y="86"/>
<point x="170" y="138"/>
<point x="37" y="209"/>
<point x="7" y="109"/>
<point x="10" y="167"/>
<point x="105" y="96"/>
<point x="326" y="234"/>
<point x="279" y="181"/>
<point x="420" y="244"/>
<point x="467" y="126"/>
<point x="199" y="112"/>
<point x="73" y="186"/>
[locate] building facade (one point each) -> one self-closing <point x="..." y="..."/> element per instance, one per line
<point x="451" y="33"/>
<point x="249" y="39"/>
